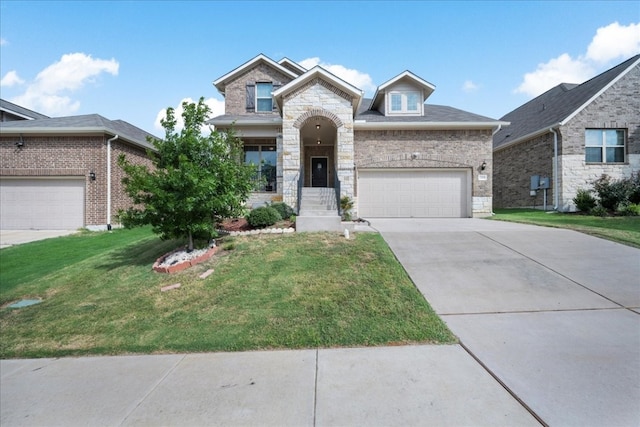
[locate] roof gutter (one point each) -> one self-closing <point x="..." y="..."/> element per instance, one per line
<point x="555" y="169"/>
<point x="109" y="180"/>
<point x="364" y="125"/>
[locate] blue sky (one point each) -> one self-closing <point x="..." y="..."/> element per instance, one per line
<point x="130" y="60"/>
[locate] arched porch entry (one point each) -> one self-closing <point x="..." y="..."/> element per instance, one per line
<point x="319" y="148"/>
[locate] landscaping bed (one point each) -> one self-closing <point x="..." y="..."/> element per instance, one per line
<point x="268" y="291"/>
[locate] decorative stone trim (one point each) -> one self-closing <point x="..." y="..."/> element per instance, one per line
<point x="417" y="160"/>
<point x="315" y="113"/>
<point x="318" y="81"/>
<point x="182" y="265"/>
<point x="263" y="231"/>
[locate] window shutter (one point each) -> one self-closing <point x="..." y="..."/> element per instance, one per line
<point x="251" y="97"/>
<point x="276" y="86"/>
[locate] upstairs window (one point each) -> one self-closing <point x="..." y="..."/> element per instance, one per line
<point x="605" y="145"/>
<point x="404" y="103"/>
<point x="264" y="102"/>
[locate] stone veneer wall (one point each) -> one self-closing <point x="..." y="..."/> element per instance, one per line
<point x="617" y="108"/>
<point x="316" y="98"/>
<point x="513" y="168"/>
<point x="431" y="149"/>
<point x="73" y="156"/>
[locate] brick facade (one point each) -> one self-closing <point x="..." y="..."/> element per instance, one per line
<point x="617" y="108"/>
<point x="426" y="149"/>
<point x="235" y="93"/>
<point x="73" y="156"/>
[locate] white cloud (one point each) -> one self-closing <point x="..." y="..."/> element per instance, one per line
<point x="49" y="93"/>
<point x="357" y="78"/>
<point x="610" y="42"/>
<point x="469" y="86"/>
<point x="3" y="41"/>
<point x="562" y="69"/>
<point x="11" y="79"/>
<point x="614" y="41"/>
<point x="216" y="106"/>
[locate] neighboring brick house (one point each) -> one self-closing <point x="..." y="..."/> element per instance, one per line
<point x="393" y="155"/>
<point x="572" y="134"/>
<point x="62" y="173"/>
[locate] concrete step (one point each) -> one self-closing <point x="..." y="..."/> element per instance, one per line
<point x="318" y="223"/>
<point x="317" y="212"/>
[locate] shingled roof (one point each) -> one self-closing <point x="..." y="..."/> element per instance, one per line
<point x="18" y="111"/>
<point x="83" y="124"/>
<point x="556" y="106"/>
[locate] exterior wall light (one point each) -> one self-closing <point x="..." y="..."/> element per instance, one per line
<point x="92" y="176"/>
<point x="483" y="166"/>
<point x="20" y="144"/>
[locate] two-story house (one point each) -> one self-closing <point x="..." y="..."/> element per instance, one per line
<point x="393" y="155"/>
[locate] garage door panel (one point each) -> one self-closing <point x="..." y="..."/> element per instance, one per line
<point x="41" y="204"/>
<point x="415" y="193"/>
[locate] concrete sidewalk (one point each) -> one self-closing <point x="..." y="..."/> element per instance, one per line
<point x="382" y="386"/>
<point x="553" y="314"/>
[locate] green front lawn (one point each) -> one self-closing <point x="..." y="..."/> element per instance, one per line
<point x="100" y="296"/>
<point x="621" y="229"/>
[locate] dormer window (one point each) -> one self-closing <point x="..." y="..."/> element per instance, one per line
<point x="264" y="101"/>
<point x="405" y="102"/>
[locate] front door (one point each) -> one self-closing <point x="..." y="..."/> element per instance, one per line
<point x="319" y="177"/>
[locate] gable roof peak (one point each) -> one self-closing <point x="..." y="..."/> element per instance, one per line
<point x="427" y="88"/>
<point x="222" y="81"/>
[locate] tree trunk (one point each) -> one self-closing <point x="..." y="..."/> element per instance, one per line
<point x="190" y="247"/>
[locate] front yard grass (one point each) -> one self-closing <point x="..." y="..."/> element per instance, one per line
<point x="100" y="296"/>
<point x="621" y="229"/>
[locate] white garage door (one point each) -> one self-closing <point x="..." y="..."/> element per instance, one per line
<point x="41" y="204"/>
<point x="413" y="193"/>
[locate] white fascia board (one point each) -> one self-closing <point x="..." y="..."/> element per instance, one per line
<point x="226" y="122"/>
<point x="318" y="71"/>
<point x="528" y="136"/>
<point x="294" y="64"/>
<point x="70" y="131"/>
<point x="600" y="92"/>
<point x="364" y="125"/>
<point x="249" y="64"/>
<point x="14" y="113"/>
<point x="425" y="85"/>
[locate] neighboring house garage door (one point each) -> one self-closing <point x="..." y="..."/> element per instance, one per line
<point x="41" y="204"/>
<point x="413" y="193"/>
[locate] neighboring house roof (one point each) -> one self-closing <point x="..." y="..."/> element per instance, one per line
<point x="557" y="106"/>
<point x="221" y="83"/>
<point x="427" y="88"/>
<point x="20" y="112"/>
<point x="84" y="124"/>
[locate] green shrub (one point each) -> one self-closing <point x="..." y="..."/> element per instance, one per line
<point x="283" y="209"/>
<point x="613" y="193"/>
<point x="263" y="217"/>
<point x="632" y="209"/>
<point x="599" y="211"/>
<point x="346" y="204"/>
<point x="584" y="201"/>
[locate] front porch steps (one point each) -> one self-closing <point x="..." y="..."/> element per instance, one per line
<point x="318" y="210"/>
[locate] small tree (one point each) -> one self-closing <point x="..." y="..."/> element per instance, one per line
<point x="196" y="181"/>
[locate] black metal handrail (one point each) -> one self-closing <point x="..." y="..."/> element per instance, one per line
<point x="336" y="185"/>
<point x="300" y="185"/>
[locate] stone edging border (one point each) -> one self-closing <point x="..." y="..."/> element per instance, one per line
<point x="182" y="265"/>
<point x="262" y="231"/>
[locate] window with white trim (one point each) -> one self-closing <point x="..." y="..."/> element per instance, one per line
<point x="407" y="102"/>
<point x="605" y="145"/>
<point x="264" y="102"/>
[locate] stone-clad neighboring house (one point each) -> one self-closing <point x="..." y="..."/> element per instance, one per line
<point x="62" y="173"/>
<point x="310" y="132"/>
<point x="572" y="134"/>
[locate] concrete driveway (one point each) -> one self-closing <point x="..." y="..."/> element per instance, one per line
<point x="553" y="314"/>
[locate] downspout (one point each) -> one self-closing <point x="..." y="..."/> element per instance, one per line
<point x="109" y="181"/>
<point x="556" y="190"/>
